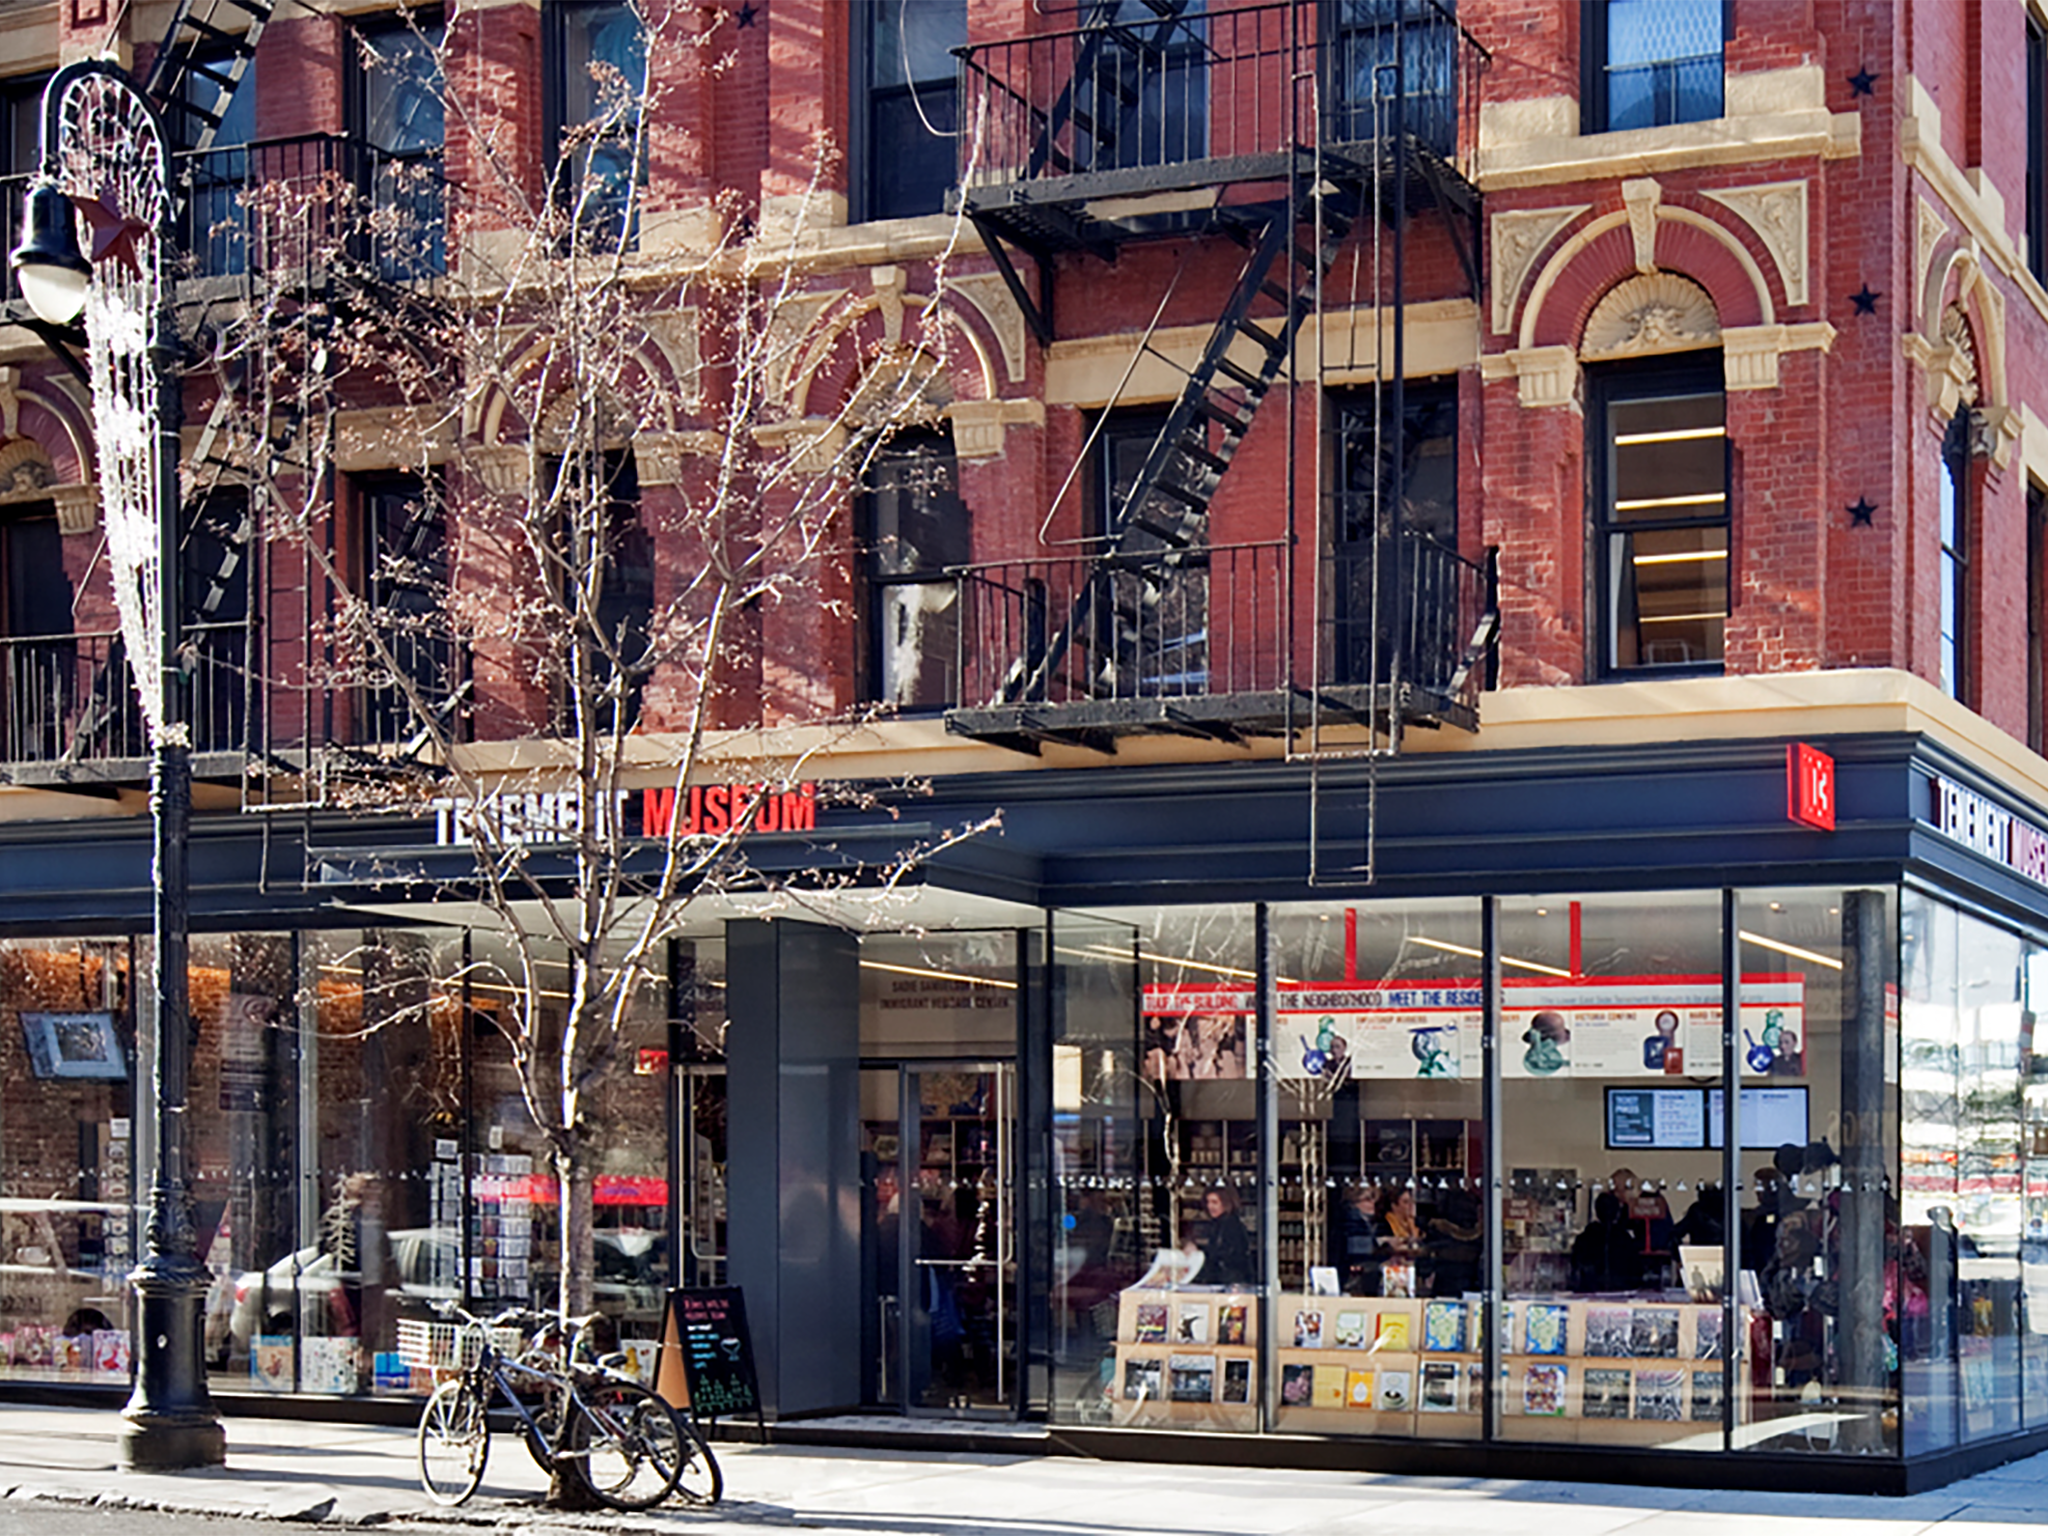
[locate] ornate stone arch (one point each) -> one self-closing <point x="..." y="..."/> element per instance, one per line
<point x="1960" y="344"/>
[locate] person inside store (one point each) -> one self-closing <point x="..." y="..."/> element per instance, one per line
<point x="1358" y="1239"/>
<point x="1649" y="1213"/>
<point x="1705" y="1223"/>
<point x="1227" y="1247"/>
<point x="1608" y="1255"/>
<point x="1400" y="1233"/>
<point x="1776" y="1198"/>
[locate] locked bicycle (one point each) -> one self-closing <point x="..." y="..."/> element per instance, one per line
<point x="586" y="1420"/>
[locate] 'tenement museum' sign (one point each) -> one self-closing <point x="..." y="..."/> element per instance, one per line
<point x="1991" y="830"/>
<point x="705" y="810"/>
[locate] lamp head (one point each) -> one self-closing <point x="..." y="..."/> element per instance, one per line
<point x="51" y="269"/>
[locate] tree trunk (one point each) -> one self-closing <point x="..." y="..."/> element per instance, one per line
<point x="579" y="1258"/>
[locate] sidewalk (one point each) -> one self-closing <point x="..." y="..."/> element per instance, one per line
<point x="358" y="1474"/>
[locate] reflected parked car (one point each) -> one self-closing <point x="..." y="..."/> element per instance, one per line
<point x="308" y="1290"/>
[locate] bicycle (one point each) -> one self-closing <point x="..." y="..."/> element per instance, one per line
<point x="624" y="1444"/>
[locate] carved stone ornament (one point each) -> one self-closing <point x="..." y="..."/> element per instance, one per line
<point x="1518" y="237"/>
<point x="1961" y="340"/>
<point x="1641" y="197"/>
<point x="504" y="471"/>
<point x="25" y="471"/>
<point x="1644" y="316"/>
<point x="1777" y="213"/>
<point x="78" y="507"/>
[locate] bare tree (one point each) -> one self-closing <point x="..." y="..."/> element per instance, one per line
<point x="539" y="389"/>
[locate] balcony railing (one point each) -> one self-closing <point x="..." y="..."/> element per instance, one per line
<point x="68" y="699"/>
<point x="1138" y="637"/>
<point x="1149" y="94"/>
<point x="288" y="208"/>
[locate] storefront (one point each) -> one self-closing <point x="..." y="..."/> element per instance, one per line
<point x="1117" y="1121"/>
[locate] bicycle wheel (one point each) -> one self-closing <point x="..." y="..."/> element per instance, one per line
<point x="454" y="1442"/>
<point x="627" y="1444"/>
<point x="701" y="1482"/>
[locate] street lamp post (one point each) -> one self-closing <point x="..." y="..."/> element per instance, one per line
<point x="105" y="157"/>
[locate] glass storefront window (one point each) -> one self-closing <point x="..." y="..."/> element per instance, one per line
<point x="71" y="1223"/>
<point x="1378" y="1050"/>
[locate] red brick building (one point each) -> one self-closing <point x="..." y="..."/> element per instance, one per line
<point x="1393" y="489"/>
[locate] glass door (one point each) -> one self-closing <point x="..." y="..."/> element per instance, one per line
<point x="958" y="1256"/>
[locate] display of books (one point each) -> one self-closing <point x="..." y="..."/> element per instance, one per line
<point x="1440" y="1387"/>
<point x="1152" y="1317"/>
<point x="1237" y="1381"/>
<point x="1706" y="1396"/>
<point x="1545" y="1328"/>
<point x="1706" y="1343"/>
<point x="1358" y="1388"/>
<point x="1192" y="1326"/>
<point x="1297" y="1385"/>
<point x="1543" y="1389"/>
<point x="1397" y="1277"/>
<point x="1231" y="1322"/>
<point x="1144" y="1379"/>
<point x="1308" y="1328"/>
<point x="1396" y="1392"/>
<point x="1608" y="1333"/>
<point x="1660" y="1395"/>
<point x="1653" y="1333"/>
<point x="1393" y="1334"/>
<point x="1443" y="1327"/>
<point x="1192" y="1378"/>
<point x="1350" y="1331"/>
<point x="1329" y="1387"/>
<point x="1607" y="1393"/>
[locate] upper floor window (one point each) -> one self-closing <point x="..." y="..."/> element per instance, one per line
<point x="1369" y="38"/>
<point x="1955" y="558"/>
<point x="907" y="108"/>
<point x="1652" y="62"/>
<point x="597" y="85"/>
<point x="914" y="527"/>
<point x="2037" y="147"/>
<point x="1141" y="86"/>
<point x="2037" y="617"/>
<point x="411" y="668"/>
<point x="397" y="109"/>
<point x="1660" y="519"/>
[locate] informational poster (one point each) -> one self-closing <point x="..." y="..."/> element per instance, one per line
<point x="1612" y="1027"/>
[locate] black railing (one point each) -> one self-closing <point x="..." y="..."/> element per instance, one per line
<point x="1409" y="611"/>
<point x="1156" y="625"/>
<point x="1215" y="85"/>
<point x="286" y="209"/>
<point x="69" y="698"/>
<point x="1213" y="622"/>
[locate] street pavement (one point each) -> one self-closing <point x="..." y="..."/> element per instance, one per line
<point x="365" y="1474"/>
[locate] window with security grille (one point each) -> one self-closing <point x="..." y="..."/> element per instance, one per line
<point x="915" y="527"/>
<point x="1661" y="522"/>
<point x="1650" y="63"/>
<point x="398" y="111"/>
<point x="1955" y="557"/>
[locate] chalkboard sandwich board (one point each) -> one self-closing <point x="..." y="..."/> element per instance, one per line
<point x="707" y="1355"/>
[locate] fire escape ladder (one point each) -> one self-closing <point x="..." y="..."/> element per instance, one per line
<point x="202" y="62"/>
<point x="1101" y="87"/>
<point x="1157" y="533"/>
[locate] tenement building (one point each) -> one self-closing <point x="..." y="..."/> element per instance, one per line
<point x="1371" y="794"/>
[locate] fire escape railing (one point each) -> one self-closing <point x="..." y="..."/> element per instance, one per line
<point x="1175" y="86"/>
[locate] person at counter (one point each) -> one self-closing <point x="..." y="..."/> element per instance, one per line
<point x="1358" y="1239"/>
<point x="1608" y="1255"/>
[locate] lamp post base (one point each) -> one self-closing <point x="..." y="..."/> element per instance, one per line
<point x="164" y="1442"/>
<point x="170" y="1421"/>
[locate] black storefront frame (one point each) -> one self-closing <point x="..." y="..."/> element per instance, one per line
<point x="1731" y="1466"/>
<point x="1894" y="847"/>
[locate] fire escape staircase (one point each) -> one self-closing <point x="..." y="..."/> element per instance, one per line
<point x="204" y="58"/>
<point x="1147" y="628"/>
<point x="1156" y="545"/>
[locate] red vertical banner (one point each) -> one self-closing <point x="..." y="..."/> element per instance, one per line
<point x="1810" y="786"/>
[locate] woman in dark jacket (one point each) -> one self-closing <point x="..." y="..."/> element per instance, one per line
<point x="1227" y="1255"/>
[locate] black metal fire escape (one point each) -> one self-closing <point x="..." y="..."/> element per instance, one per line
<point x="1162" y="120"/>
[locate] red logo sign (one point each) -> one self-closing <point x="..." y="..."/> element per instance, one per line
<point x="1810" y="786"/>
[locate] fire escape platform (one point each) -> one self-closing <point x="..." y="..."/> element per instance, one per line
<point x="1275" y="712"/>
<point x="1097" y="211"/>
